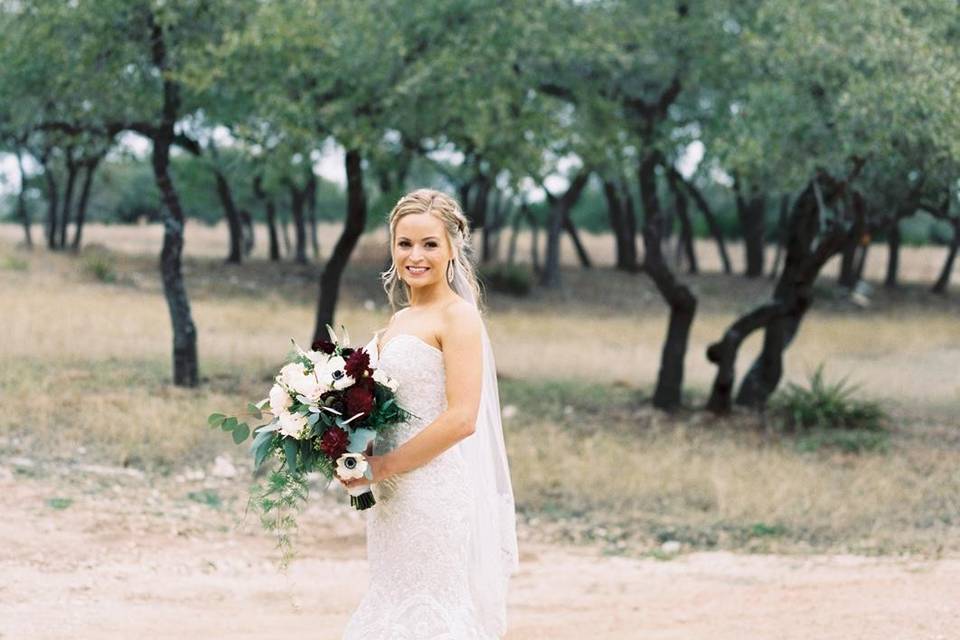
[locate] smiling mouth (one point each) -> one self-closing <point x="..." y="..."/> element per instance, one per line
<point x="418" y="270"/>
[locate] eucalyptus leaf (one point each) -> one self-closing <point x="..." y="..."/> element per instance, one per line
<point x="241" y="432"/>
<point x="290" y="451"/>
<point x="216" y="419"/>
<point x="359" y="439"/>
<point x="262" y="445"/>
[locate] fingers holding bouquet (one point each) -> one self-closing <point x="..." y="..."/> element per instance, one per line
<point x="355" y="470"/>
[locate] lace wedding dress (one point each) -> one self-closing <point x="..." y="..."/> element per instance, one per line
<point x="418" y="531"/>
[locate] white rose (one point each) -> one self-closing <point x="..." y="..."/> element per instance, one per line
<point x="291" y="424"/>
<point x="318" y="358"/>
<point x="384" y="379"/>
<point x="290" y="373"/>
<point x="302" y="383"/>
<point x="280" y="400"/>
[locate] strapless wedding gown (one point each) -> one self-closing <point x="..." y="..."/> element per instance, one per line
<point x="417" y="532"/>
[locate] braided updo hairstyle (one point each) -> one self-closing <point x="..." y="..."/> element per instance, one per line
<point x="448" y="211"/>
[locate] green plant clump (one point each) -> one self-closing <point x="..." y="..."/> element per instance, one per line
<point x="507" y="278"/>
<point x="100" y="266"/>
<point x="827" y="405"/>
<point x="14" y="263"/>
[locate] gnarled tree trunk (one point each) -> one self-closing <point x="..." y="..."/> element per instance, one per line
<point x="271" y="215"/>
<point x="91" y="167"/>
<point x="808" y="248"/>
<point x="711" y="219"/>
<point x="682" y="303"/>
<point x="559" y="210"/>
<point x="352" y="229"/>
<point x="624" y="232"/>
<point x="751" y="212"/>
<point x="944" y="280"/>
<point x="23" y="213"/>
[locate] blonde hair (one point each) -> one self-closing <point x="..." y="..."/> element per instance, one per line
<point x="448" y="211"/>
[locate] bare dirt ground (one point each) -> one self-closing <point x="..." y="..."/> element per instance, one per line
<point x="100" y="552"/>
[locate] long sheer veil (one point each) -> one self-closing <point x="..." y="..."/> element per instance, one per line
<point x="493" y="542"/>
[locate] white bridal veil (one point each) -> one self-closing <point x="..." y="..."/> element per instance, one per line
<point x="493" y="543"/>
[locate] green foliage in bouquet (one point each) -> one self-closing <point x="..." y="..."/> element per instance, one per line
<point x="310" y="429"/>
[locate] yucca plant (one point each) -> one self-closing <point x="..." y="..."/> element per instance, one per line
<point x="827" y="405"/>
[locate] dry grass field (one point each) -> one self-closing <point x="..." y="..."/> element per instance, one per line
<point x="84" y="370"/>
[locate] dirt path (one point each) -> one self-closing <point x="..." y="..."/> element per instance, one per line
<point x="106" y="555"/>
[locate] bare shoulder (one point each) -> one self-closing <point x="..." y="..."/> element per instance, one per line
<point x="461" y="313"/>
<point x="460" y="321"/>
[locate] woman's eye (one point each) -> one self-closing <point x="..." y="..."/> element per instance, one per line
<point x="432" y="245"/>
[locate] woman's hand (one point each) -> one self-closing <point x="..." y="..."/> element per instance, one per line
<point x="378" y="469"/>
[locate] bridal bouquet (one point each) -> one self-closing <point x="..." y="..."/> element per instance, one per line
<point x="325" y="409"/>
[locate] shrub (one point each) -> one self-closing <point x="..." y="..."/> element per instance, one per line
<point x="826" y="405"/>
<point x="100" y="266"/>
<point x="507" y="278"/>
<point x="14" y="263"/>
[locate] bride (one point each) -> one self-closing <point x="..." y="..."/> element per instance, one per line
<point x="441" y="539"/>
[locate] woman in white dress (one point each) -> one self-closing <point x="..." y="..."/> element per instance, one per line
<point x="441" y="539"/>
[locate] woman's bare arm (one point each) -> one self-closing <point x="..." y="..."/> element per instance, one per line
<point x="460" y="338"/>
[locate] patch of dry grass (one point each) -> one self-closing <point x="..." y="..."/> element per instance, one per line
<point x="85" y="363"/>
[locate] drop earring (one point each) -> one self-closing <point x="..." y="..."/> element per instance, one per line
<point x="450" y="274"/>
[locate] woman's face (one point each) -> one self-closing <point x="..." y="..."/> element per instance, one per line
<point x="421" y="250"/>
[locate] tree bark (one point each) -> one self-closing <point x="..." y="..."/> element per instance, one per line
<point x="559" y="209"/>
<point x="751" y="212"/>
<point x="492" y="222"/>
<point x="297" y="201"/>
<point x="235" y="255"/>
<point x="781" y="233"/>
<point x="807" y="252"/>
<point x="311" y="205"/>
<point x="504" y="213"/>
<point x="582" y="254"/>
<point x="353" y="227"/>
<point x="534" y="239"/>
<point x="23" y="212"/>
<point x="848" y="271"/>
<point x="249" y="237"/>
<point x="91" y="167"/>
<point x="682" y="303"/>
<point x="285" y="228"/>
<point x="185" y="365"/>
<point x="518" y="216"/>
<point x="52" y="202"/>
<point x="624" y="233"/>
<point x="685" y="243"/>
<point x="73" y="167"/>
<point x="271" y="214"/>
<point x="862" y="259"/>
<point x="893" y="257"/>
<point x="711" y="219"/>
<point x="944" y="280"/>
